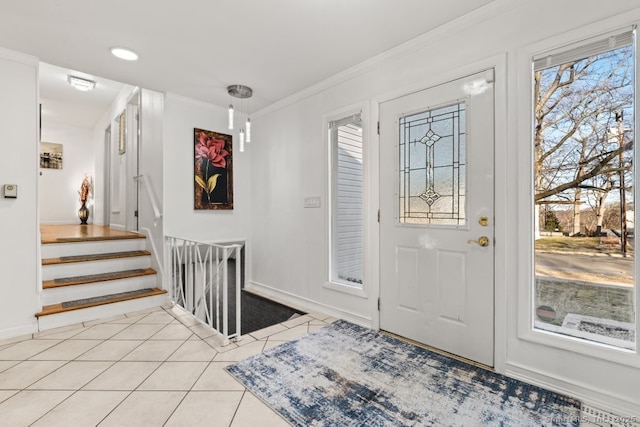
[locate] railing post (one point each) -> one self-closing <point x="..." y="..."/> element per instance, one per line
<point x="238" y="295"/>
<point x="189" y="275"/>
<point x="211" y="311"/>
<point x="218" y="288"/>
<point x="225" y="298"/>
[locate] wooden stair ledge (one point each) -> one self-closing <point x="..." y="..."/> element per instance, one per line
<point x="93" y="278"/>
<point x="83" y="233"/>
<point x="97" y="301"/>
<point x="93" y="257"/>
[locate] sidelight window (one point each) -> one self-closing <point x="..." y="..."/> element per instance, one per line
<point x="347" y="182"/>
<point x="584" y="191"/>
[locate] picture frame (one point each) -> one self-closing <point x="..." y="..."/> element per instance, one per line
<point x="50" y="155"/>
<point x="212" y="170"/>
<point x="122" y="132"/>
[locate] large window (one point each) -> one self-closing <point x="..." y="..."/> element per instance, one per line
<point x="584" y="185"/>
<point x="346" y="265"/>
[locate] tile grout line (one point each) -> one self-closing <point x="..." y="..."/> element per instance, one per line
<point x="74" y="392"/>
<point x="141" y="382"/>
<point x="111" y="362"/>
<point x="235" y="413"/>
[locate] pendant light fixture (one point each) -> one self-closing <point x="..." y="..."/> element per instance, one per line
<point x="241" y="92"/>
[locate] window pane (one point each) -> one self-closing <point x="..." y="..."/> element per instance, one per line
<point x="347" y="199"/>
<point x="432" y="167"/>
<point x="584" y="207"/>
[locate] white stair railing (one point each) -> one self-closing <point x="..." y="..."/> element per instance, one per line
<point x="157" y="215"/>
<point x="197" y="279"/>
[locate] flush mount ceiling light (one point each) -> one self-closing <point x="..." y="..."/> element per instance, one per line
<point x="84" y="85"/>
<point x="126" y="54"/>
<point x="241" y="92"/>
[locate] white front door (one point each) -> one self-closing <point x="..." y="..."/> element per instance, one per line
<point x="436" y="217"/>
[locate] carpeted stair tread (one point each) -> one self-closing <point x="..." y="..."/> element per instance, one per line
<point x="92" y="278"/>
<point x="97" y="301"/>
<point x="93" y="257"/>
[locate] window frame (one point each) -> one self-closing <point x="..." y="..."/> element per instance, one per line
<point x="526" y="264"/>
<point x="346" y="287"/>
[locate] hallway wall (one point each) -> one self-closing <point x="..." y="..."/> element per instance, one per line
<point x="19" y="241"/>
<point x="59" y="200"/>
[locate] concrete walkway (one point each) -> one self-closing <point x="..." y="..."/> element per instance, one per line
<point x="587" y="268"/>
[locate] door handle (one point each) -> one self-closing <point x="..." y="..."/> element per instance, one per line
<point x="482" y="241"/>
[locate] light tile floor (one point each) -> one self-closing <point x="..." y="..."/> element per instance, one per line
<point x="153" y="368"/>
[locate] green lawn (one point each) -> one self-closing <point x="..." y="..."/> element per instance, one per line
<point x="601" y="245"/>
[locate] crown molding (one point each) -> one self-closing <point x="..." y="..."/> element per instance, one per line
<point x="15" y="56"/>
<point x="425" y="39"/>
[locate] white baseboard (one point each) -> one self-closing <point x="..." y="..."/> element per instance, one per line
<point x="305" y="304"/>
<point x="595" y="401"/>
<point x="19" y="332"/>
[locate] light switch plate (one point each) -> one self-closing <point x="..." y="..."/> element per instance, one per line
<point x="312" y="202"/>
<point x="10" y="191"/>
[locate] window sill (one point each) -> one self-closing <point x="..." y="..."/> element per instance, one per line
<point x="579" y="345"/>
<point x="346" y="289"/>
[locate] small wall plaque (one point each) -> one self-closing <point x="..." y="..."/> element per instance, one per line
<point x="10" y="191"/>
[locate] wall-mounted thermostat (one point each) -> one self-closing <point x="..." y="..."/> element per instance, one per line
<point x="10" y="191"/>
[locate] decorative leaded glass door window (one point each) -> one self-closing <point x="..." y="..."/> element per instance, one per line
<point x="432" y="167"/>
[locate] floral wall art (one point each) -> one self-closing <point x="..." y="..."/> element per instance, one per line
<point x="213" y="170"/>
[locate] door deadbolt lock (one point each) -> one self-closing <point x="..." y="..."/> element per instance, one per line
<point x="483" y="221"/>
<point x="482" y="241"/>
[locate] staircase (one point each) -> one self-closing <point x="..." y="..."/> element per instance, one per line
<point x="95" y="276"/>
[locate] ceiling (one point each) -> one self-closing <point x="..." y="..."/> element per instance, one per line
<point x="196" y="48"/>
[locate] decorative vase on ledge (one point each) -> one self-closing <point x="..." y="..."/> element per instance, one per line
<point x="83" y="213"/>
<point x="84" y="193"/>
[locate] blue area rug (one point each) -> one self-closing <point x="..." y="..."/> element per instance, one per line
<point x="346" y="375"/>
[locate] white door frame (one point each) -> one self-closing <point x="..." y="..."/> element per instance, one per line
<point x="502" y="188"/>
<point x="132" y="197"/>
<point x="106" y="190"/>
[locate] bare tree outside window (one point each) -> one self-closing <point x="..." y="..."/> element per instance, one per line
<point x="583" y="164"/>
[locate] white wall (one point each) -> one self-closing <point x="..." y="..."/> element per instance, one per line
<point x="59" y="199"/>
<point x="19" y="163"/>
<point x="181" y="116"/>
<point x="288" y="163"/>
<point x="151" y="166"/>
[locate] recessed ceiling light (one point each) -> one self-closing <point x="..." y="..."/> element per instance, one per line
<point x="84" y="85"/>
<point x="123" y="53"/>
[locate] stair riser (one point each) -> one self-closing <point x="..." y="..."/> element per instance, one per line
<point x="72" y="269"/>
<point x="54" y="250"/>
<point x="90" y="290"/>
<point x="100" y="312"/>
